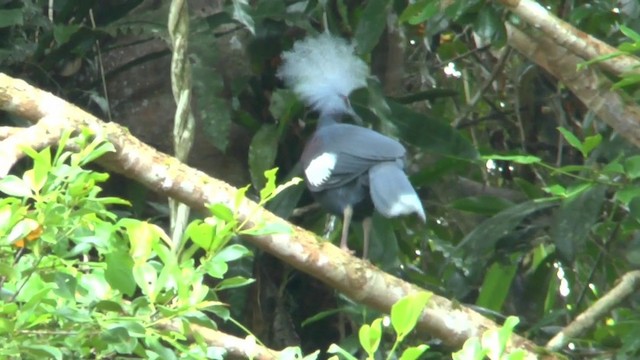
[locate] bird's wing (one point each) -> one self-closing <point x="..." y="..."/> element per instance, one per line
<point x="340" y="153"/>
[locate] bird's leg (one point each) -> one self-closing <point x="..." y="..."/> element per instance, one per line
<point x="366" y="231"/>
<point x="346" y="221"/>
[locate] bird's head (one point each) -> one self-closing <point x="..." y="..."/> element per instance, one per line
<point x="322" y="71"/>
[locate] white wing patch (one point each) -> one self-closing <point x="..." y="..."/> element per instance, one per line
<point x="320" y="168"/>
<point x="407" y="204"/>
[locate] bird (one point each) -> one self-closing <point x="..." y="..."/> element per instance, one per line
<point x="350" y="170"/>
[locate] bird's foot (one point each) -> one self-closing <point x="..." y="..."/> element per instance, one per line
<point x="347" y="250"/>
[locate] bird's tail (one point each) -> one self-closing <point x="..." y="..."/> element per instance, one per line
<point x="392" y="193"/>
<point x="322" y="71"/>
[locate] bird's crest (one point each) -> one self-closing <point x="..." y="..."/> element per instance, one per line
<point x="323" y="70"/>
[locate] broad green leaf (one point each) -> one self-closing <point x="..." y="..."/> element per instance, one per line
<point x="21" y="229"/>
<point x="14" y="186"/>
<point x="241" y="14"/>
<point x="262" y="153"/>
<point x="630" y="33"/>
<point x="590" y="143"/>
<point x="213" y="112"/>
<point x="371" y="24"/>
<point x="11" y="17"/>
<point x="141" y="236"/>
<point x="471" y="350"/>
<point x="627" y="193"/>
<point x="574" y="220"/>
<point x="496" y="285"/>
<point x="335" y="349"/>
<point x="486" y="235"/>
<point x="62" y="33"/>
<point x="632" y="167"/>
<point x="119" y="272"/>
<point x="145" y="276"/>
<point x="406" y="312"/>
<point x="487" y="22"/>
<point x="419" y="11"/>
<point x="222" y="212"/>
<point x="234" y="282"/>
<point x="487" y="205"/>
<point x="414" y="352"/>
<point x="232" y="252"/>
<point x="41" y="351"/>
<point x="201" y="233"/>
<point x="571" y="139"/>
<point x="216" y="268"/>
<point x="370" y="336"/>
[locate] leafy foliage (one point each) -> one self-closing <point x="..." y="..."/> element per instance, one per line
<point x="86" y="283"/>
<point x="533" y="203"/>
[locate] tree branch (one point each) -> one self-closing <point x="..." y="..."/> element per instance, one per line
<point x="358" y="279"/>
<point x="589" y="85"/>
<point x="45" y="132"/>
<point x="628" y="285"/>
<point x="564" y="34"/>
<point x="235" y="346"/>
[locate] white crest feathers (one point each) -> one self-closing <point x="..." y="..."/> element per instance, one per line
<point x="323" y="70"/>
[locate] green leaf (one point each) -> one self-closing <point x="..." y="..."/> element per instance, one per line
<point x="486" y="205"/>
<point x="269" y="229"/>
<point x="371" y="24"/>
<point x="141" y="236"/>
<point x="486" y="235"/>
<point x="419" y="12"/>
<point x="370" y="336"/>
<point x="241" y="14"/>
<point x="335" y="349"/>
<point x="574" y="220"/>
<point x="262" y="153"/>
<point x="119" y="272"/>
<point x="216" y="268"/>
<point x="414" y="352"/>
<point x="518" y="159"/>
<point x="496" y="285"/>
<point x="11" y="17"/>
<point x="234" y="282"/>
<point x="487" y="22"/>
<point x="43" y="351"/>
<point x="267" y="191"/>
<point x="406" y="312"/>
<point x="632" y="167"/>
<point x="201" y="233"/>
<point x="222" y="212"/>
<point x="571" y="139"/>
<point x="232" y="252"/>
<point x="14" y="186"/>
<point x="431" y="134"/>
<point x="146" y="276"/>
<point x="471" y="350"/>
<point x="213" y="111"/>
<point x="627" y="193"/>
<point x="590" y="143"/>
<point x="62" y="33"/>
<point x="630" y="33"/>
